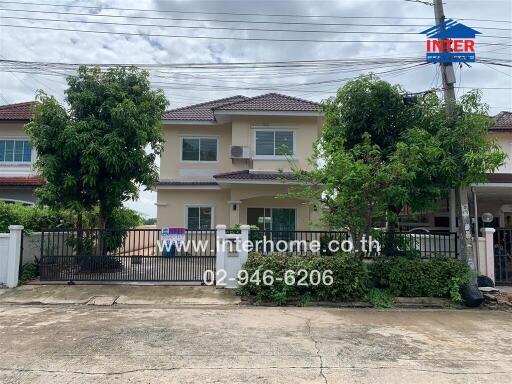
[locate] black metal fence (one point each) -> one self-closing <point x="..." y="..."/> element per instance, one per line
<point x="327" y="243"/>
<point x="125" y="255"/>
<point x="424" y="245"/>
<point x="503" y="256"/>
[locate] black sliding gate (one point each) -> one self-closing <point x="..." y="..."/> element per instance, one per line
<point x="124" y="256"/>
<point x="503" y="256"/>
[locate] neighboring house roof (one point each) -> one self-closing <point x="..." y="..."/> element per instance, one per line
<point x="200" y="112"/>
<point x="502" y="122"/>
<point x="19" y="111"/>
<point x="271" y="102"/>
<point x="30" y="181"/>
<point x="246" y="175"/>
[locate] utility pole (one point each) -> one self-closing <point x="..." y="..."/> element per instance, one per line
<point x="461" y="194"/>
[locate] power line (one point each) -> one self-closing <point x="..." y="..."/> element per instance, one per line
<point x="221" y="28"/>
<point x="231" y="21"/>
<point x="223" y="37"/>
<point x="240" y="14"/>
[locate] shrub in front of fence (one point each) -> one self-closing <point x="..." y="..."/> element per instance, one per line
<point x="349" y="278"/>
<point x="416" y="277"/>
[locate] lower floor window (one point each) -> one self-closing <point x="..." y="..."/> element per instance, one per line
<point x="199" y="217"/>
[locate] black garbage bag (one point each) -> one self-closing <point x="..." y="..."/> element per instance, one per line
<point x="471" y="295"/>
<point x="485" y="281"/>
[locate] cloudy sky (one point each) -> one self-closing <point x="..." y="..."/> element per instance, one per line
<point x="183" y="32"/>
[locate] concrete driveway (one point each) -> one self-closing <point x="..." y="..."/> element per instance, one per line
<point x="236" y="344"/>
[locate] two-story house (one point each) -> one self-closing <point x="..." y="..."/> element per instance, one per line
<point x="17" y="177"/>
<point x="222" y="159"/>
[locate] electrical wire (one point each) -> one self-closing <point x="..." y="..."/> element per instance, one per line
<point x="224" y="37"/>
<point x="238" y="13"/>
<point x="233" y="21"/>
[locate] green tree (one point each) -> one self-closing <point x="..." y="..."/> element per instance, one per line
<point x="358" y="172"/>
<point x="443" y="152"/>
<point x="351" y="187"/>
<point x="366" y="106"/>
<point x="102" y="149"/>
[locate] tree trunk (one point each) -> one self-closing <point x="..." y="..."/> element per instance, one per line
<point x="102" y="231"/>
<point x="79" y="233"/>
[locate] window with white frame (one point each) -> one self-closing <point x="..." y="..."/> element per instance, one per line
<point x="199" y="217"/>
<point x="199" y="149"/>
<point x="15" y="151"/>
<point x="276" y="142"/>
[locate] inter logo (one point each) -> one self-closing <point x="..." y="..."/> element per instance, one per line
<point x="450" y="42"/>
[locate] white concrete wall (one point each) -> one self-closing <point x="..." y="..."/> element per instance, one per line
<point x="4" y="253"/>
<point x="10" y="252"/>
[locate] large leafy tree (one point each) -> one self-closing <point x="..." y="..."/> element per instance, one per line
<point x="366" y="106"/>
<point x="352" y="187"/>
<point x="102" y="148"/>
<point x="377" y="152"/>
<point x="444" y="152"/>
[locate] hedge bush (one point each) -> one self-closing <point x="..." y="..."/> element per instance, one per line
<point x="350" y="278"/>
<point x="33" y="218"/>
<point x="413" y="277"/>
<point x="36" y="218"/>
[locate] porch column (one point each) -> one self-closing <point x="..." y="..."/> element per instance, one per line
<point x="488" y="234"/>
<point x="234" y="212"/>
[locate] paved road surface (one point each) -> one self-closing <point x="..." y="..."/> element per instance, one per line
<point x="233" y="344"/>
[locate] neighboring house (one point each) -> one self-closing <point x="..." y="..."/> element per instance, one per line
<point x="17" y="177"/>
<point x="494" y="197"/>
<point x="222" y="159"/>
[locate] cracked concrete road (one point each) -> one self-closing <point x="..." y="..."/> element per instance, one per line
<point x="233" y="344"/>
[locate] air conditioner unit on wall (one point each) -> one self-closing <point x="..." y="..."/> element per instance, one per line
<point x="239" y="152"/>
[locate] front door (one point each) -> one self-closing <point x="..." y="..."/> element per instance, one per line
<point x="272" y="219"/>
<point x="279" y="223"/>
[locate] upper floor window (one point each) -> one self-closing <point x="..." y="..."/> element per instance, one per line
<point x="199" y="149"/>
<point x="274" y="142"/>
<point x="15" y="151"/>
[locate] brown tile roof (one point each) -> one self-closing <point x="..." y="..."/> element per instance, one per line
<point x="503" y="122"/>
<point x="246" y="175"/>
<point x="272" y="102"/>
<point x="19" y="111"/>
<point x="200" y="112"/>
<point x="499" y="177"/>
<point x="31" y="181"/>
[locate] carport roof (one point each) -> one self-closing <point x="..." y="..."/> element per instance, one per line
<point x="255" y="176"/>
<point x="499" y="177"/>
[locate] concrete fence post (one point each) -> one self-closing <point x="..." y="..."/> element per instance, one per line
<point x="488" y="234"/>
<point x="244" y="243"/>
<point x="14" y="254"/>
<point x="220" y="261"/>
